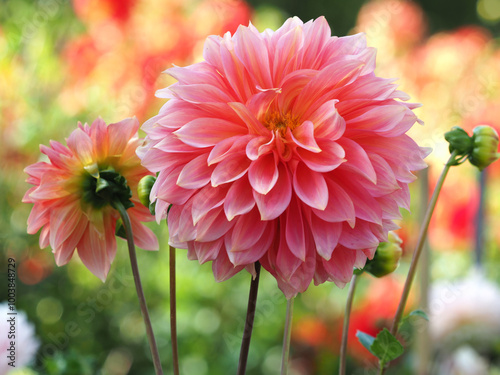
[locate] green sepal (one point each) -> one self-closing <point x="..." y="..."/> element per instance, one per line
<point x="357" y="271"/>
<point x="419" y="313"/>
<point x="120" y="229"/>
<point x="459" y="141"/>
<point x="112" y="186"/>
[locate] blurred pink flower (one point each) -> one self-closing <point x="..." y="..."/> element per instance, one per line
<point x="68" y="211"/>
<point x="282" y="147"/>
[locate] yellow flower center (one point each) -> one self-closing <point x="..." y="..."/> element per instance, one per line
<point x="277" y="121"/>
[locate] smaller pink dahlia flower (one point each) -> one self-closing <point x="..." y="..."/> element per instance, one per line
<point x="282" y="147"/>
<point x="66" y="206"/>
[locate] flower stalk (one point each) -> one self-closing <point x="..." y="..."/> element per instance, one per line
<point x="286" y="336"/>
<point x="173" y="311"/>
<point x="138" y="285"/>
<point x="420" y="245"/>
<point x="247" y="334"/>
<point x="345" y="327"/>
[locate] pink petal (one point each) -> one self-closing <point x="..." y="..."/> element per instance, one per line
<point x="196" y="173"/>
<point x="227" y="148"/>
<point x="310" y="187"/>
<point x="51" y="187"/>
<point x="286" y="262"/>
<point x="303" y="136"/>
<point x="250" y="50"/>
<point x="295" y="231"/>
<point x="206" y="251"/>
<point x="327" y="121"/>
<point x="380" y="119"/>
<point x="81" y="144"/>
<point x="170" y="191"/>
<point x="341" y="265"/>
<point x="237" y="76"/>
<point x="143" y="236"/>
<point x="340" y="206"/>
<point x="359" y="237"/>
<point x="222" y="268"/>
<point x="249" y="256"/>
<point x="331" y="156"/>
<point x="205" y="132"/>
<point x="254" y="125"/>
<point x="286" y="51"/>
<point x="326" y="236"/>
<point x="247" y="230"/>
<point x="263" y="173"/>
<point x="357" y="159"/>
<point x="64" y="222"/>
<point x="198" y="93"/>
<point x="259" y="146"/>
<point x="65" y="250"/>
<point x="206" y="199"/>
<point x="93" y="252"/>
<point x="239" y="199"/>
<point x="274" y="203"/>
<point x="213" y="226"/>
<point x="337" y="74"/>
<point x="230" y="169"/>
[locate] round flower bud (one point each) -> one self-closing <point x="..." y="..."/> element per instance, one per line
<point x="386" y="258"/>
<point x="144" y="190"/>
<point x="459" y="141"/>
<point x="485" y="146"/>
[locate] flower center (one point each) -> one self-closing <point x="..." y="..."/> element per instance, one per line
<point x="277" y="121"/>
<point x="108" y="187"/>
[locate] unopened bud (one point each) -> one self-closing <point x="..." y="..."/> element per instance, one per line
<point x="459" y="141"/>
<point x="144" y="191"/>
<point x="485" y="146"/>
<point x="386" y="258"/>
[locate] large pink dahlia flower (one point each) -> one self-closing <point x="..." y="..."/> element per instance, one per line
<point x="66" y="207"/>
<point x="284" y="148"/>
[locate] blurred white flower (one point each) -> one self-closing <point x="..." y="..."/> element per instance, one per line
<point x="464" y="361"/>
<point x="24" y="341"/>
<point x="465" y="310"/>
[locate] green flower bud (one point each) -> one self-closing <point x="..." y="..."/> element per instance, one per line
<point x="485" y="146"/>
<point x="386" y="258"/>
<point x="144" y="190"/>
<point x="459" y="141"/>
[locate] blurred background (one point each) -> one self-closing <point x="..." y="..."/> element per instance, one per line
<point x="68" y="61"/>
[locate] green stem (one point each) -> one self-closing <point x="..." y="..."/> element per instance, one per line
<point x="420" y="245"/>
<point x="173" y="311"/>
<point x="345" y="328"/>
<point x="247" y="334"/>
<point x="286" y="336"/>
<point x="138" y="286"/>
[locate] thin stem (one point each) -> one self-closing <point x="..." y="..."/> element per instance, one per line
<point x="247" y="334"/>
<point x="286" y="336"/>
<point x="173" y="311"/>
<point x="420" y="245"/>
<point x="138" y="286"/>
<point x="345" y="328"/>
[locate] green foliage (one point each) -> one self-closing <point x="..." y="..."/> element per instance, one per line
<point x="385" y="346"/>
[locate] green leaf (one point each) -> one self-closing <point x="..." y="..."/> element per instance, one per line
<point x="420" y="313"/>
<point x="366" y="340"/>
<point x="386" y="347"/>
